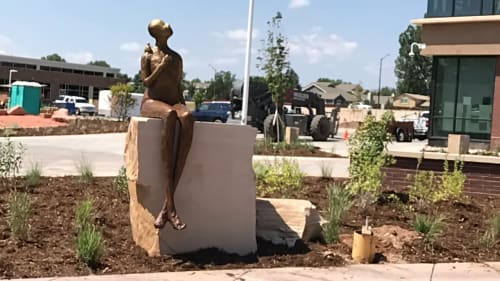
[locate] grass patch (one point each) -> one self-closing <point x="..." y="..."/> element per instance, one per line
<point x="339" y="202"/>
<point x="121" y="182"/>
<point x="282" y="177"/>
<point x="19" y="212"/>
<point x="33" y="175"/>
<point x="326" y="169"/>
<point x="84" y="168"/>
<point x="84" y="214"/>
<point x="430" y="226"/>
<point x="89" y="245"/>
<point x="492" y="235"/>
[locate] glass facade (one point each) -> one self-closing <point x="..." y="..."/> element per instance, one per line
<point x="463" y="96"/>
<point x="462" y="8"/>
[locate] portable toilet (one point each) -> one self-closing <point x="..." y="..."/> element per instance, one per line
<point x="26" y="95"/>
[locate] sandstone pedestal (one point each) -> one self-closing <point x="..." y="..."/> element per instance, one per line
<point x="215" y="196"/>
<point x="291" y="135"/>
<point x="458" y="144"/>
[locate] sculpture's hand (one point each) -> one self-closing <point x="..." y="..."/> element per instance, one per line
<point x="165" y="61"/>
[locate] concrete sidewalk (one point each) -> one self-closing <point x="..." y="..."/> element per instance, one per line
<point x="396" y="272"/>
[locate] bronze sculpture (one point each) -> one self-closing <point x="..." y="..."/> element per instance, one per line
<point x="161" y="71"/>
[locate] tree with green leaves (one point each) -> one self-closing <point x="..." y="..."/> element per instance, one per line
<point x="414" y="73"/>
<point x="333" y="82"/>
<point x="54" y="57"/>
<point x="220" y="87"/>
<point x="199" y="96"/>
<point x="138" y="85"/>
<point x="102" y="63"/>
<point x="273" y="60"/>
<point x="294" y="77"/>
<point x="121" y="100"/>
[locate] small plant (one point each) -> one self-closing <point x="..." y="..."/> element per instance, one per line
<point x="89" y="245"/>
<point x="33" y="175"/>
<point x="423" y="188"/>
<point x="84" y="214"/>
<point x="430" y="226"/>
<point x="339" y="202"/>
<point x="326" y="170"/>
<point x="492" y="235"/>
<point x="84" y="168"/>
<point x="18" y="217"/>
<point x="452" y="182"/>
<point x="282" y="177"/>
<point x="11" y="158"/>
<point x="121" y="182"/>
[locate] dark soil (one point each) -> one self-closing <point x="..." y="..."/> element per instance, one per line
<point x="296" y="150"/>
<point x="50" y="251"/>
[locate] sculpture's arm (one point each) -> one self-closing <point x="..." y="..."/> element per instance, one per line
<point x="148" y="77"/>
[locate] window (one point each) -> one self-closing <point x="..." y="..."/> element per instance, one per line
<point x="404" y="100"/>
<point x="462" y="8"/>
<point x="463" y="96"/>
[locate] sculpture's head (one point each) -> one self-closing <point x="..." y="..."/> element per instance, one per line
<point x="160" y="30"/>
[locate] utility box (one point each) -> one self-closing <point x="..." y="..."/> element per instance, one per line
<point x="458" y="144"/>
<point x="26" y="95"/>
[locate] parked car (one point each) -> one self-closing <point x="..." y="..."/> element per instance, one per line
<point x="215" y="111"/>
<point x="360" y="105"/>
<point x="420" y="124"/>
<point x="80" y="105"/>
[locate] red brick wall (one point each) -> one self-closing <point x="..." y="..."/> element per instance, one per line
<point x="482" y="178"/>
<point x="495" y="126"/>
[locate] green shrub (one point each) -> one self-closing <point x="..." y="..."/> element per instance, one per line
<point x="19" y="212"/>
<point x="339" y="202"/>
<point x="89" y="245"/>
<point x="282" y="177"/>
<point x="11" y="158"/>
<point x="326" y="170"/>
<point x="430" y="226"/>
<point x="452" y="182"/>
<point x="423" y="188"/>
<point x="84" y="214"/>
<point x="121" y="182"/>
<point x="492" y="235"/>
<point x="85" y="171"/>
<point x="33" y="175"/>
<point x="367" y="155"/>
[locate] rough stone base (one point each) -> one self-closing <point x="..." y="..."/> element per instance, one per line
<point x="215" y="196"/>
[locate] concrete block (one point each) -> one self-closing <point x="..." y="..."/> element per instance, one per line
<point x="291" y="134"/>
<point x="215" y="196"/>
<point x="16" y="110"/>
<point x="458" y="144"/>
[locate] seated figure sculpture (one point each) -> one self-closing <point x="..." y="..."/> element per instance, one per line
<point x="161" y="71"/>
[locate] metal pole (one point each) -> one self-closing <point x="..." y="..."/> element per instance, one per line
<point x="380" y="77"/>
<point x="246" y="83"/>
<point x="215" y="76"/>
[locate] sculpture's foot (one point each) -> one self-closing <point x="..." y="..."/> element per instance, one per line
<point x="173" y="219"/>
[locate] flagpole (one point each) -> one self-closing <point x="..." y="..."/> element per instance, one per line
<point x="246" y="83"/>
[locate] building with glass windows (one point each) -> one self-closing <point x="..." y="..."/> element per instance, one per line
<point x="59" y="78"/>
<point x="463" y="37"/>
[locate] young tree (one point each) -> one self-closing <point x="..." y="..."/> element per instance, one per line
<point x="121" y="100"/>
<point x="413" y="73"/>
<point x="220" y="88"/>
<point x="198" y="97"/>
<point x="138" y="85"/>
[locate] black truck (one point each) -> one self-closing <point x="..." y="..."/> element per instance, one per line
<point x="261" y="111"/>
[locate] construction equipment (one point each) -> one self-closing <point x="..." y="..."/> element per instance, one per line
<point x="261" y="113"/>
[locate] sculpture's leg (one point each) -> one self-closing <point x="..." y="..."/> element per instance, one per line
<point x="169" y="116"/>
<point x="185" y="139"/>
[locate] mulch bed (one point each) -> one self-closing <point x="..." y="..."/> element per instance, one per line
<point x="50" y="251"/>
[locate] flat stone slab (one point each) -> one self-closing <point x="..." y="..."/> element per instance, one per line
<point x="215" y="196"/>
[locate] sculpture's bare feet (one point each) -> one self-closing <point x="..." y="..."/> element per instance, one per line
<point x="173" y="219"/>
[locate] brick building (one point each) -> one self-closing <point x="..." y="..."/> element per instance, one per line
<point x="60" y="78"/>
<point x="462" y="37"/>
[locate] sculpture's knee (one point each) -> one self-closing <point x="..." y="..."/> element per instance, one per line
<point x="187" y="118"/>
<point x="170" y="116"/>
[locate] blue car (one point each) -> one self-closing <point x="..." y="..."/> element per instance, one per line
<point x="213" y="112"/>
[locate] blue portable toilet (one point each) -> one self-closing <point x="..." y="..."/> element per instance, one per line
<point x="26" y="95"/>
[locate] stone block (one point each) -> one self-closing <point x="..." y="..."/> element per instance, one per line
<point x="284" y="221"/>
<point x="16" y="110"/>
<point x="3" y="112"/>
<point x="291" y="134"/>
<point x="215" y="196"/>
<point x="458" y="144"/>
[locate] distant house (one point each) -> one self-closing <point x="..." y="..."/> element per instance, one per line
<point x="411" y="101"/>
<point x="339" y="95"/>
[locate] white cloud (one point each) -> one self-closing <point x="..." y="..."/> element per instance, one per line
<point x="226" y="61"/>
<point x="237" y="34"/>
<point x="299" y="3"/>
<point x="5" y="44"/>
<point x="316" y="47"/>
<point x="131" y="47"/>
<point x="82" y="57"/>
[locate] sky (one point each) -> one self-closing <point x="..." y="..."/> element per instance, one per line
<point x="327" y="38"/>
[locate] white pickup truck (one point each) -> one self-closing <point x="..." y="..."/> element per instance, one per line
<point x="420" y="124"/>
<point x="81" y="104"/>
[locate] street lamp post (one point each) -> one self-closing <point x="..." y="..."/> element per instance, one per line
<point x="380" y="76"/>
<point x="246" y="82"/>
<point x="10" y="76"/>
